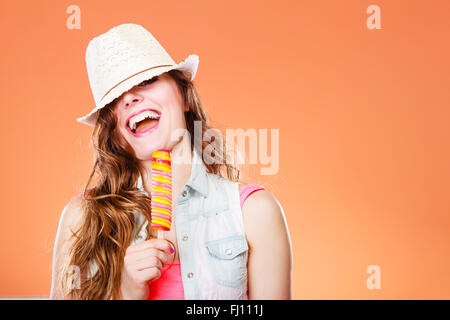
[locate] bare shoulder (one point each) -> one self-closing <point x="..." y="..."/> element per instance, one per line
<point x="270" y="250"/>
<point x="69" y="222"/>
<point x="74" y="206"/>
<point x="260" y="201"/>
<point x="71" y="216"/>
<point x="73" y="210"/>
<point x="262" y="214"/>
<point x="263" y="204"/>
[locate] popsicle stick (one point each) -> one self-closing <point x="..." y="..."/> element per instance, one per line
<point x="160" y="234"/>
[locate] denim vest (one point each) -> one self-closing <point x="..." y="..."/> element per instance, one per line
<point x="210" y="233"/>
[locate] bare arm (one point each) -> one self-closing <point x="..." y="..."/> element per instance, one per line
<point x="270" y="253"/>
<point x="70" y="218"/>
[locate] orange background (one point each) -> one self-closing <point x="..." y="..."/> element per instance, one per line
<point x="363" y="118"/>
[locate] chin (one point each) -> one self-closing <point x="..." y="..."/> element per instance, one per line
<point x="145" y="153"/>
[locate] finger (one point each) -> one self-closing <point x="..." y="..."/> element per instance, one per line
<point x="152" y="262"/>
<point x="149" y="274"/>
<point x="152" y="252"/>
<point x="160" y="244"/>
<point x="151" y="243"/>
<point x="137" y="255"/>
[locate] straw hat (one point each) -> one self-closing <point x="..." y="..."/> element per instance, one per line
<point x="123" y="57"/>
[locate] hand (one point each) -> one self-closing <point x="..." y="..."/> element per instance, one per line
<point x="143" y="263"/>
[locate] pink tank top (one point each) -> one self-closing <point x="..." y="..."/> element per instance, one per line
<point x="170" y="285"/>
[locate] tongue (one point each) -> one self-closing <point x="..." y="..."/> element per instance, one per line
<point x="145" y="125"/>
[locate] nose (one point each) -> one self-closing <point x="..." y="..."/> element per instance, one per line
<point x="130" y="98"/>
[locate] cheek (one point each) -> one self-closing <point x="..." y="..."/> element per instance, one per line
<point x="172" y="102"/>
<point x="125" y="135"/>
<point x="174" y="121"/>
<point x="177" y="113"/>
<point x="121" y="119"/>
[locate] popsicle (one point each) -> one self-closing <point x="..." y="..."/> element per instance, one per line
<point x="161" y="192"/>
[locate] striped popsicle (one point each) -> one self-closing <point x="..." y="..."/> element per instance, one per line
<point x="161" y="190"/>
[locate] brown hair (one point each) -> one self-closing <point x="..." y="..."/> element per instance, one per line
<point x="109" y="207"/>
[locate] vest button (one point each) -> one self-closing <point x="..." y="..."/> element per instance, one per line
<point x="184" y="193"/>
<point x="228" y="251"/>
<point x="185" y="238"/>
<point x="190" y="275"/>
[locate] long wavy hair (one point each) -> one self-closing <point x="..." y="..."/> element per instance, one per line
<point x="110" y="205"/>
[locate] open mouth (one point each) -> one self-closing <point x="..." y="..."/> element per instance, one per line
<point x="144" y="122"/>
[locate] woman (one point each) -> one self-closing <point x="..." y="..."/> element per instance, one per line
<point x="219" y="246"/>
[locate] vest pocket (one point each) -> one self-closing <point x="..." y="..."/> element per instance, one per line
<point x="228" y="259"/>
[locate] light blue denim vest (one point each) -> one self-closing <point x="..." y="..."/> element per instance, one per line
<point x="210" y="234"/>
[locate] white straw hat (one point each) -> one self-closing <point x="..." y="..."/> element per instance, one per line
<point x="123" y="57"/>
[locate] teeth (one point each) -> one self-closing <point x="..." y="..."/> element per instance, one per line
<point x="141" y="116"/>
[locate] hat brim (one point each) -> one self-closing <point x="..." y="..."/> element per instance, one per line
<point x="190" y="64"/>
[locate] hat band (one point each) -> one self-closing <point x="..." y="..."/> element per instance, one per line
<point x="164" y="65"/>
